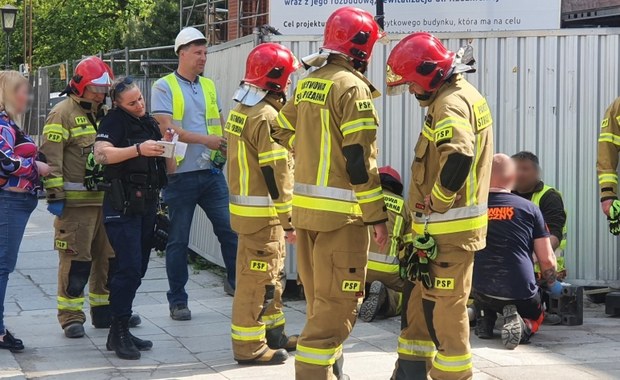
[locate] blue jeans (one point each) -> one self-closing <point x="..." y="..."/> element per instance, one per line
<point x="131" y="237"/>
<point x="185" y="191"/>
<point x="15" y="210"/>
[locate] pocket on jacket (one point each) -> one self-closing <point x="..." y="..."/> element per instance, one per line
<point x="418" y="169"/>
<point x="348" y="275"/>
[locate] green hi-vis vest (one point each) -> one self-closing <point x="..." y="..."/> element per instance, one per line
<point x="213" y="121"/>
<point x="536" y="197"/>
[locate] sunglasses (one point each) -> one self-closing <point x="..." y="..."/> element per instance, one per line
<point x="120" y="87"/>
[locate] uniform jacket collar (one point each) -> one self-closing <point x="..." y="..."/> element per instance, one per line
<point x="87" y="105"/>
<point x="342" y="62"/>
<point x="274" y="100"/>
<point x="444" y="87"/>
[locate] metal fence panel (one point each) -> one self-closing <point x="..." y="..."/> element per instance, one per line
<point x="547" y="91"/>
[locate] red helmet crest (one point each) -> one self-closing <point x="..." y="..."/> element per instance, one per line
<point x="93" y="73"/>
<point x="352" y="32"/>
<point x="269" y="67"/>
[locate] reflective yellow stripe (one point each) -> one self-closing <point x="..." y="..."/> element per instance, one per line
<point x="72" y="304"/>
<point x="178" y="102"/>
<point x="396" y="232"/>
<point x="84" y="195"/>
<point x="459" y="363"/>
<point x="56" y="128"/>
<point x="49" y="183"/>
<point x="419" y="348"/>
<point x="358" y="125"/>
<point x="274" y="155"/>
<point x="383" y="268"/>
<point x="283" y="208"/>
<point x="536" y="198"/>
<point x="441" y="195"/>
<point x="451" y="227"/>
<point x="244" y="171"/>
<point x="369" y="195"/>
<point x="291" y="141"/>
<point x="83" y="131"/>
<point x="453" y="121"/>
<point x="321" y="204"/>
<point x="247" y="334"/>
<point x="274" y="320"/>
<point x="474" y="171"/>
<point x="253" y="211"/>
<point x="608" y="178"/>
<point x="428" y="133"/>
<point x="609" y="137"/>
<point x="98" y="299"/>
<point x="318" y="356"/>
<point x="284" y="123"/>
<point x="322" y="174"/>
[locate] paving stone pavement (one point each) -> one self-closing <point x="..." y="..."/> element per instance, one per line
<point x="201" y="348"/>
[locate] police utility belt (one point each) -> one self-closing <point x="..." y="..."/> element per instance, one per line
<point x="131" y="194"/>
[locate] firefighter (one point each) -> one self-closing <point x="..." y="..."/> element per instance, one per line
<point x="80" y="238"/>
<point x="607" y="164"/>
<point x="332" y="125"/>
<point x="261" y="187"/>
<point x="383" y="280"/>
<point x="448" y="196"/>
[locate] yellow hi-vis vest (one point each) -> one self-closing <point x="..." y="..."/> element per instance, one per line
<point x="213" y="121"/>
<point x="536" y="197"/>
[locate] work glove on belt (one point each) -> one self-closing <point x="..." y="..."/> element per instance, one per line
<point x="614" y="218"/>
<point x="423" y="249"/>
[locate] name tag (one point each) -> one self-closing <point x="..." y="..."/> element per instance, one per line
<point x="235" y="123"/>
<point x="54" y="137"/>
<point x="364" y="105"/>
<point x="351" y="286"/>
<point x="313" y="90"/>
<point x="81" y="120"/>
<point x="61" y="244"/>
<point x="259" y="266"/>
<point x="444" y="134"/>
<point x="393" y="203"/>
<point x="483" y="115"/>
<point x="444" y="283"/>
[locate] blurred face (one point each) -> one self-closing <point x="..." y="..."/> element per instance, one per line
<point x="193" y="58"/>
<point x="95" y="97"/>
<point x="527" y="175"/>
<point x="22" y="97"/>
<point x="416" y="89"/>
<point x="132" y="102"/>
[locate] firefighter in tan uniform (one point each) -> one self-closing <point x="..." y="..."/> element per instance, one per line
<point x="80" y="238"/>
<point x="607" y="165"/>
<point x="384" y="283"/>
<point x="448" y="196"/>
<point x="332" y="125"/>
<point x="261" y="187"/>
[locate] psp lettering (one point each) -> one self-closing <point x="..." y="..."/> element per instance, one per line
<point x="350" y="286"/>
<point x="259" y="266"/>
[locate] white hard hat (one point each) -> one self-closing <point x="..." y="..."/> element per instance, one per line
<point x="186" y="36"/>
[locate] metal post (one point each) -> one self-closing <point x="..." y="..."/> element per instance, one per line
<point x="68" y="70"/>
<point x="127" y="71"/>
<point x="8" y="51"/>
<point x="380" y="14"/>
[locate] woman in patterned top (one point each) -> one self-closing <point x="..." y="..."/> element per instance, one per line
<point x="19" y="182"/>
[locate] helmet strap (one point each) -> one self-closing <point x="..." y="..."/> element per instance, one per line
<point x="360" y="66"/>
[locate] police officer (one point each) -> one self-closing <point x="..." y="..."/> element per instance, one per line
<point x="448" y="195"/>
<point x="68" y="138"/>
<point x="128" y="145"/>
<point x="332" y="125"/>
<point x="383" y="279"/>
<point x="261" y="187"/>
<point x="607" y="164"/>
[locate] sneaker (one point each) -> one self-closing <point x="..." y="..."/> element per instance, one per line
<point x="513" y="329"/>
<point x="180" y="313"/>
<point x="376" y="298"/>
<point x="74" y="330"/>
<point x="552" y="319"/>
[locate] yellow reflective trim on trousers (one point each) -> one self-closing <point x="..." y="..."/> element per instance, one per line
<point x="322" y="204"/>
<point x="383" y="268"/>
<point x="71" y="304"/>
<point x="284" y="123"/>
<point x="282" y="208"/>
<point x="98" y="299"/>
<point x="252" y="211"/>
<point x="369" y="196"/>
<point x="83" y="131"/>
<point x="428" y="133"/>
<point x="459" y="363"/>
<point x="441" y="196"/>
<point x="56" y="128"/>
<point x="247" y="334"/>
<point x="244" y="169"/>
<point x="608" y="178"/>
<point x="84" y="195"/>
<point x="358" y="125"/>
<point x="452" y="227"/>
<point x="274" y="155"/>
<point x="49" y="183"/>
<point x="396" y="232"/>
<point x="317" y="356"/>
<point x="274" y="320"/>
<point x="291" y="141"/>
<point x="322" y="174"/>
<point x="609" y="137"/>
<point x="453" y="121"/>
<point x="419" y="348"/>
<point x="399" y="307"/>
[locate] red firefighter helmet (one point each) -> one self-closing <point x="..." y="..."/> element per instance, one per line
<point x="352" y="32"/>
<point x="269" y="67"/>
<point x="91" y="73"/>
<point x="419" y="58"/>
<point x="391" y="172"/>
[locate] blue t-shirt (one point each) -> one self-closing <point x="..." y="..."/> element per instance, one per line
<point x="505" y="268"/>
<point x="194" y="116"/>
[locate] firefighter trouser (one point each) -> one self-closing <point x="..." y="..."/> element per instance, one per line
<point x="257" y="306"/>
<point x="331" y="267"/>
<point x="394" y="285"/>
<point x="435" y="341"/>
<point x="85" y="255"/>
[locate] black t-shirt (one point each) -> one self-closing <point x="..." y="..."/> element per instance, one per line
<point x="552" y="207"/>
<point x="504" y="268"/>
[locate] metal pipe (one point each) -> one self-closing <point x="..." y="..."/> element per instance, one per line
<point x="127" y="61"/>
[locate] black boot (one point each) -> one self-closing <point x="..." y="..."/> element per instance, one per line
<point x="141" y="344"/>
<point x="121" y="341"/>
<point x="410" y="370"/>
<point x="338" y="369"/>
<point x="101" y="316"/>
<point x="485" y="322"/>
<point x="276" y="338"/>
